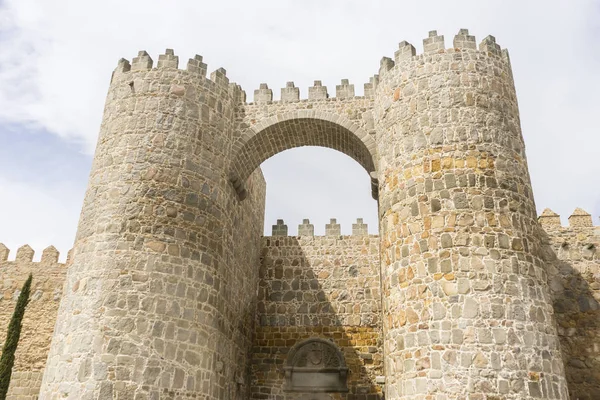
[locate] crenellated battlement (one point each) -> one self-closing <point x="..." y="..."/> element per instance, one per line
<point x="48" y="280"/>
<point x="318" y="92"/>
<point x="435" y="44"/>
<point x="195" y="67"/>
<point x="333" y="229"/>
<point x="579" y="240"/>
<point x="578" y="219"/>
<point x="26" y="254"/>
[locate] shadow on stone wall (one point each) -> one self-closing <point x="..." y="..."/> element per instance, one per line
<point x="577" y="313"/>
<point x="332" y="293"/>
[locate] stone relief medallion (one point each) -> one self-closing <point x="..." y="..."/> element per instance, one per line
<point x="315" y="365"/>
<point x="315" y="354"/>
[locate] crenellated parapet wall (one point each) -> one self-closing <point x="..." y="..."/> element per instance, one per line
<point x="26" y="254"/>
<point x="443" y="93"/>
<point x="290" y="93"/>
<point x="331" y="229"/>
<point x="40" y="314"/>
<point x="195" y="72"/>
<point x="572" y="255"/>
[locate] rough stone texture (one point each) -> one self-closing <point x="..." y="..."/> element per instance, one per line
<point x="325" y="287"/>
<point x="267" y="127"/>
<point x="466" y="310"/>
<point x="25" y="385"/>
<point x="40" y="314"/>
<point x="574" y="280"/>
<point x="306" y="228"/>
<point x="280" y="229"/>
<point x="573" y="260"/>
<point x="161" y="296"/>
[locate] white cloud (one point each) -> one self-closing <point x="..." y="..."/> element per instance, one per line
<point x="56" y="58"/>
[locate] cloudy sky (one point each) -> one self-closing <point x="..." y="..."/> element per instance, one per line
<point x="56" y="58"/>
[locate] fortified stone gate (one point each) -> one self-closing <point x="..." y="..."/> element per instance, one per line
<point x="171" y="293"/>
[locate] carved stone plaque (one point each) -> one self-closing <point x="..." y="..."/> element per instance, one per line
<point x="315" y="365"/>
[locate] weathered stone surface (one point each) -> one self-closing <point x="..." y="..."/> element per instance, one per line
<point x="170" y="293"/>
<point x="573" y="266"/>
<point x="306" y="228"/>
<point x="163" y="280"/>
<point x="318" y="287"/>
<point x="459" y="237"/>
<point x="39" y="319"/>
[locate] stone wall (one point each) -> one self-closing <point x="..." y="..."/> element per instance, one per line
<point x="341" y="123"/>
<point x="573" y="260"/>
<point x="40" y="314"/>
<point x="326" y="287"/>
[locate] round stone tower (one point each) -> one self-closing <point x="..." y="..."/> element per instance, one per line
<point x="466" y="307"/>
<point x="158" y="300"/>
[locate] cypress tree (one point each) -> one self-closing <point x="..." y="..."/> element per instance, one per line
<point x="12" y="339"/>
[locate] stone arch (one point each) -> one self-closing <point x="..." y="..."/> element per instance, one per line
<point x="296" y="129"/>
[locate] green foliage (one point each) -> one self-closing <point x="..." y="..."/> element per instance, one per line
<point x="12" y="339"/>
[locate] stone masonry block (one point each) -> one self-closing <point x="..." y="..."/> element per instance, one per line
<point x="385" y="65"/>
<point x="196" y="66"/>
<point x="464" y="41"/>
<point x="345" y="90"/>
<point x="433" y="43"/>
<point x="280" y="229"/>
<point x="489" y="44"/>
<point x="25" y="253"/>
<point x="168" y="60"/>
<point x="263" y="94"/>
<point x="370" y="87"/>
<point x="360" y="228"/>
<point x="549" y="219"/>
<point x="237" y="92"/>
<point x="219" y="76"/>
<point x="50" y="255"/>
<point x="405" y="51"/>
<point x="306" y="228"/>
<point x="123" y="66"/>
<point x="3" y="252"/>
<point x="580" y="218"/>
<point x="317" y="91"/>
<point x="143" y="61"/>
<point x="290" y="92"/>
<point x="333" y="228"/>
